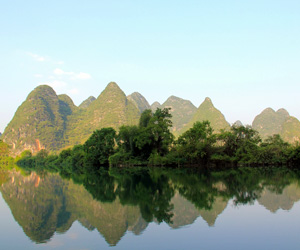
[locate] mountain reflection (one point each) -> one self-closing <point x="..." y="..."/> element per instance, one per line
<point x="114" y="200"/>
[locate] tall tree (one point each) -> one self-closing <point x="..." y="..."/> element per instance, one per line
<point x="100" y="146"/>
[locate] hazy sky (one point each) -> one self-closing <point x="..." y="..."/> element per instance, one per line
<point x="244" y="55"/>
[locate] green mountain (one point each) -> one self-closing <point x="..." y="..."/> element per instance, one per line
<point x="40" y="121"/>
<point x="291" y="130"/>
<point x="110" y="109"/>
<point x="87" y="102"/>
<point x="269" y="122"/>
<point x="45" y="120"/>
<point x="154" y="106"/>
<point x="207" y="111"/>
<point x="139" y="101"/>
<point x="238" y="123"/>
<point x="182" y="112"/>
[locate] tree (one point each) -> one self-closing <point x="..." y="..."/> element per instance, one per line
<point x="240" y="144"/>
<point x="100" y="146"/>
<point x="273" y="151"/>
<point x="126" y="140"/>
<point x="154" y="136"/>
<point x="196" y="144"/>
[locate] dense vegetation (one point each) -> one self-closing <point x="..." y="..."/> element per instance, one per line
<point x="152" y="143"/>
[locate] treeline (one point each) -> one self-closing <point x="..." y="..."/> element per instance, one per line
<point x="152" y="143"/>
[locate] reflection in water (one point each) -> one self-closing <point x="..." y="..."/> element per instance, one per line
<point x="114" y="201"/>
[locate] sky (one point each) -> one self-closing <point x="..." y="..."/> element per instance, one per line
<point x="244" y="55"/>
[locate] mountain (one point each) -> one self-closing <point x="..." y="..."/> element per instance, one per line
<point x="291" y="130"/>
<point x="182" y="112"/>
<point x="154" y="106"/>
<point x="87" y="102"/>
<point x="139" y="101"/>
<point x="238" y="123"/>
<point x="269" y="122"/>
<point x="110" y="109"/>
<point x="207" y="111"/>
<point x="52" y="122"/>
<point x="40" y="121"/>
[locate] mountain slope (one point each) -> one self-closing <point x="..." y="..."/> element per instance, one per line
<point x="87" y="102"/>
<point x="139" y="101"/>
<point x="154" y="106"/>
<point x="110" y="109"/>
<point x="269" y="122"/>
<point x="290" y="131"/>
<point x="182" y="111"/>
<point x="47" y="121"/>
<point x="40" y="121"/>
<point x="207" y="111"/>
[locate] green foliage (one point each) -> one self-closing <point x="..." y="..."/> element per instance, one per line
<point x="273" y="151"/>
<point x="152" y="138"/>
<point x="100" y="146"/>
<point x="240" y="144"/>
<point x="156" y="137"/>
<point x="196" y="144"/>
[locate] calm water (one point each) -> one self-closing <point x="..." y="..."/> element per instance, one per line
<point x="151" y="209"/>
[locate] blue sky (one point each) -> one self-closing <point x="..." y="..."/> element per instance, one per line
<point x="244" y="55"/>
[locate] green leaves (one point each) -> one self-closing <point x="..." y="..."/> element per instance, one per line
<point x="100" y="146"/>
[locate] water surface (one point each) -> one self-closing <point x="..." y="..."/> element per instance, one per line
<point x="138" y="208"/>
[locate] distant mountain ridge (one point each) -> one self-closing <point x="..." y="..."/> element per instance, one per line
<point x="87" y="102"/>
<point x="207" y="111"/>
<point x="139" y="101"/>
<point x="53" y="122"/>
<point x="269" y="122"/>
<point x="40" y="121"/>
<point x="49" y="121"/>
<point x="182" y="111"/>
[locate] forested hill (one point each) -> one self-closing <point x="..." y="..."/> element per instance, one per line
<point x="49" y="121"/>
<point x="207" y="111"/>
<point x="53" y="122"/>
<point x="139" y="101"/>
<point x="182" y="112"/>
<point x="269" y="122"/>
